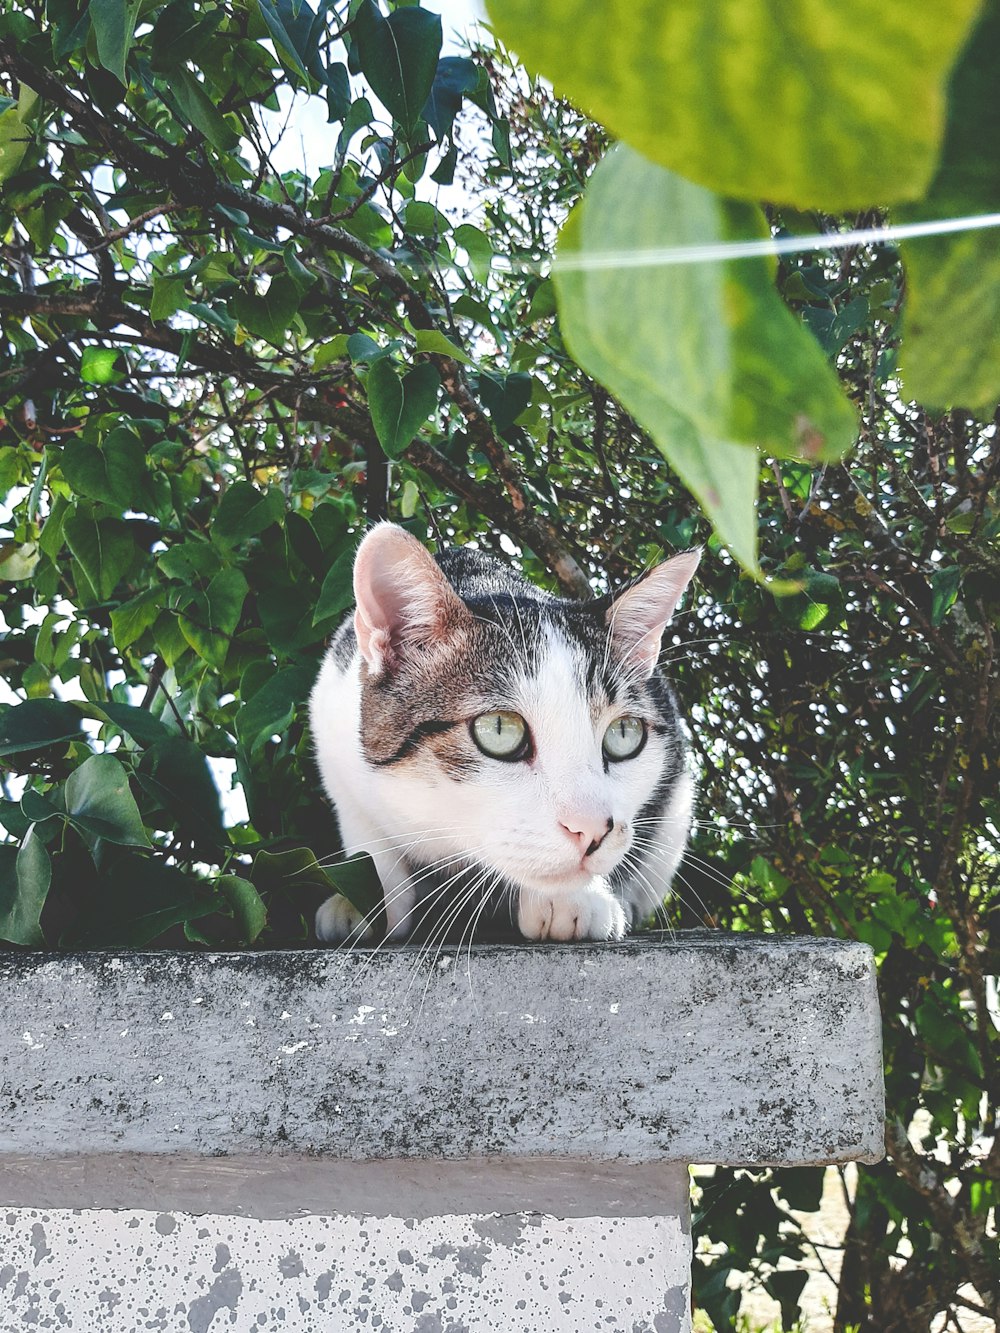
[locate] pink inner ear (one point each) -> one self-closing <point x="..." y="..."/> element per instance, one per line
<point x="637" y="619"/>
<point x="402" y="597"/>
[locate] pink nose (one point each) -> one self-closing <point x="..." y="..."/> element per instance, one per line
<point x="588" y="832"/>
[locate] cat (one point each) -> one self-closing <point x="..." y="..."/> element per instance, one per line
<point x="464" y="719"/>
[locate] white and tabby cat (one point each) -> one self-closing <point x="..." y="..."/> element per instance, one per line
<point x="468" y="723"/>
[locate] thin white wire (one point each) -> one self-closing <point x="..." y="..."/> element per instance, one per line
<point x="774" y="245"/>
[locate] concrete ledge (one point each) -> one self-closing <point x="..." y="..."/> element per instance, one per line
<point x="710" y="1048"/>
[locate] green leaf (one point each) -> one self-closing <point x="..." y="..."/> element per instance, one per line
<point x="430" y="340"/>
<point x="99" y="802"/>
<point x="337" y="592"/>
<point x="828" y="109"/>
<point x="268" y="315"/>
<point x="104" y="549"/>
<point x="399" y="56"/>
<point x="477" y="246"/>
<point x="176" y="774"/>
<point x="139" y="723"/>
<point x="25" y="876"/>
<point x="247" y="906"/>
<point x="201" y="111"/>
<point x="15" y="136"/>
<point x="399" y="407"/>
<point x="114" y="25"/>
<point x="950" y="355"/>
<point x="295" y="868"/>
<point x="269" y="709"/>
<point x="131" y="620"/>
<point x="209" y="619"/>
<point x="97" y="365"/>
<point x="168" y="295"/>
<point x="945" y="583"/>
<point x="137" y="900"/>
<point x="706" y="356"/>
<point x="36" y="724"/>
<point x="246" y="511"/>
<point x="358" y="881"/>
<point x="112" y="472"/>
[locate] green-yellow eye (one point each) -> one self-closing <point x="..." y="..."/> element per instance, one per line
<point x="501" y="735"/>
<point x="624" y="738"/>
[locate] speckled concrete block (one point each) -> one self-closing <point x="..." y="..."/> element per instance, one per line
<point x="515" y="1120"/>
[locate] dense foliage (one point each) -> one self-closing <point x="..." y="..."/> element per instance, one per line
<point x="221" y="358"/>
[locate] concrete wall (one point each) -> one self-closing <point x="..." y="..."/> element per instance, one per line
<point x="331" y="1140"/>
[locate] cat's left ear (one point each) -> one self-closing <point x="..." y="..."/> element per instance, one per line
<point x="637" y="618"/>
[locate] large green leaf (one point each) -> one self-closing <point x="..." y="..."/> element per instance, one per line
<point x="269" y="710"/>
<point x="114" y="26"/>
<point x="828" y="106"/>
<point x="245" y="511"/>
<point x="99" y="802"/>
<point x="130" y="620"/>
<point x="25" y="876"/>
<point x="268" y="314"/>
<point x="103" y="548"/>
<point x="209" y="618"/>
<point x="398" y="56"/>
<point x="337" y="592"/>
<point x="14" y="132"/>
<point x="950" y="354"/>
<point x="37" y="723"/>
<point x="176" y="774"/>
<point x="138" y="899"/>
<point x="201" y="111"/>
<point x="706" y="356"/>
<point x="400" y="406"/>
<point x="246" y="904"/>
<point x="112" y="472"/>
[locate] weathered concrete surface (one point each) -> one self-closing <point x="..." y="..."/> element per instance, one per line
<point x="150" y="1270"/>
<point x="710" y="1049"/>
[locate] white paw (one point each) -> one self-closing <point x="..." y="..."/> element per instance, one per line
<point x="337" y="920"/>
<point x="586" y="914"/>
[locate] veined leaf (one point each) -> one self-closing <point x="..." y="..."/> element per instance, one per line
<point x="98" y="801"/>
<point x="706" y="356"/>
<point x="821" y="107"/>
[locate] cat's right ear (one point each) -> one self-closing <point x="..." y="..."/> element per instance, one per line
<point x="403" y="600"/>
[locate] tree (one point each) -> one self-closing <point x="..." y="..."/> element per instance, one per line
<point x="219" y="363"/>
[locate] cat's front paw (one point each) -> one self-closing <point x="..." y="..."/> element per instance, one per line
<point x="586" y="914"/>
<point x="337" y="921"/>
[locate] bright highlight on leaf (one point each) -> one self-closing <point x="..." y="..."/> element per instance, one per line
<point x="707" y="357"/>
<point x="827" y="105"/>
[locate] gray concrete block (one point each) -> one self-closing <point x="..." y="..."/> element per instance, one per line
<point x="710" y="1048"/>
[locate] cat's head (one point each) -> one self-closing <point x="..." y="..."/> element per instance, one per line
<point x="520" y="730"/>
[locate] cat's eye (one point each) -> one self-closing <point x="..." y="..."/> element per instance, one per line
<point x="624" y="738"/>
<point x="501" y="735"/>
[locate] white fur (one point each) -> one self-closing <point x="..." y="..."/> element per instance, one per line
<point x="514" y="820"/>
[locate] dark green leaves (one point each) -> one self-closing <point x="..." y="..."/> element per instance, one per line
<point x="37" y="723"/>
<point x="103" y="548"/>
<point x="208" y="619"/>
<point x="398" y="56"/>
<point x="99" y="802"/>
<point x="268" y="314"/>
<point x="111" y="472"/>
<point x="25" y="876"/>
<point x="175" y="774"/>
<point x="400" y="406"/>
<point x="245" y="512"/>
<point x="114" y="25"/>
